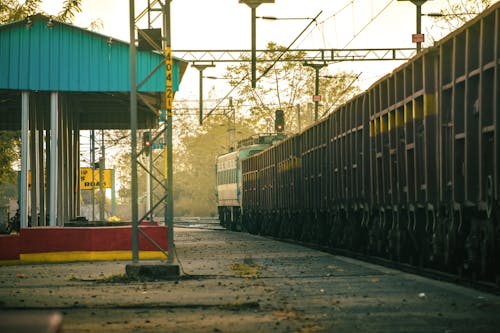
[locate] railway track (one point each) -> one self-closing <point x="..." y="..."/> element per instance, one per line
<point x="459" y="279"/>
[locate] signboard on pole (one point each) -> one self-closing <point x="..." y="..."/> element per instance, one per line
<point x="87" y="183"/>
<point x="316" y="98"/>
<point x="418" y="38"/>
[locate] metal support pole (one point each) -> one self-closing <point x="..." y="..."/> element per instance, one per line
<point x="317" y="68"/>
<point x="102" y="190"/>
<point x="92" y="167"/>
<point x="169" y="210"/>
<point x="133" y="133"/>
<point x="33" y="162"/>
<point x="316" y="93"/>
<point x="298" y="118"/>
<point x="418" y="4"/>
<point x="201" y="68"/>
<point x="54" y="138"/>
<point x="253" y="4"/>
<point x="113" y="193"/>
<point x="254" y="47"/>
<point x="232" y="125"/>
<point x="41" y="167"/>
<point x="150" y="187"/>
<point x="23" y="195"/>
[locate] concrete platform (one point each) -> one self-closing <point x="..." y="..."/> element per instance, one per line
<point x="235" y="282"/>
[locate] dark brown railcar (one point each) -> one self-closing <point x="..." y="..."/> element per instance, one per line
<point x="416" y="159"/>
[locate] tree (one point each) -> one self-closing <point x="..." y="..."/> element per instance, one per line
<point x="11" y="11"/>
<point x="456" y="13"/>
<point x="194" y="175"/>
<point x="15" y="10"/>
<point x="9" y="153"/>
<point x="284" y="85"/>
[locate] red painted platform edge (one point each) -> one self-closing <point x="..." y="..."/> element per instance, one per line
<point x="10" y="246"/>
<point x="64" y="239"/>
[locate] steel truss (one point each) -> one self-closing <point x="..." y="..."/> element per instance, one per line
<point x="311" y="55"/>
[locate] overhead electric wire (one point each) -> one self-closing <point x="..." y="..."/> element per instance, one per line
<point x="343" y="91"/>
<point x="356" y="34"/>
<point x="331" y="16"/>
<point x="268" y="69"/>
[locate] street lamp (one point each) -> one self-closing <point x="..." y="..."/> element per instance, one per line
<point x="253" y="4"/>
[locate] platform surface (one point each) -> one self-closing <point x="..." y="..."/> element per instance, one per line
<point x="236" y="282"/>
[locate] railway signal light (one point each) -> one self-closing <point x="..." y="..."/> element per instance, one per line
<point x="146" y="142"/>
<point x="279" y="121"/>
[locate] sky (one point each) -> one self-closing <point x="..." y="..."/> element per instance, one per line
<point x="226" y="24"/>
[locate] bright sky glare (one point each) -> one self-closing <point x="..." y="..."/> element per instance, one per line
<point x="226" y="24"/>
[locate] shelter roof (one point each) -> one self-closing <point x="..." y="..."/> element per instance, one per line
<point x="39" y="54"/>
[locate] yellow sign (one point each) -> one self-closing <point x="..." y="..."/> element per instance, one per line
<point x="169" y="94"/>
<point x="86" y="182"/>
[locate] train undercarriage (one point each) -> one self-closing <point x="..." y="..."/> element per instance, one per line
<point x="460" y="241"/>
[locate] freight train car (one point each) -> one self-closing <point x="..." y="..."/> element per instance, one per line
<point x="408" y="170"/>
<point x="229" y="178"/>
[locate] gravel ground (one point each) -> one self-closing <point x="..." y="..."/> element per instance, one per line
<point x="236" y="282"/>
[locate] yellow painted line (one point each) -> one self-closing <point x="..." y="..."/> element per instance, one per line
<point x="89" y="256"/>
<point x="429" y="105"/>
<point x="9" y="262"/>
<point x="399" y="118"/>
<point x="383" y="124"/>
<point x="418" y="111"/>
<point x="408" y="117"/>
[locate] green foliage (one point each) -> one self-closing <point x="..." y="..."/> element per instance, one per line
<point x="457" y="12"/>
<point x="15" y="10"/>
<point x="284" y="85"/>
<point x="194" y="165"/>
<point x="9" y="154"/>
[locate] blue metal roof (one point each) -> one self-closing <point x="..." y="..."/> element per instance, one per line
<point x="62" y="57"/>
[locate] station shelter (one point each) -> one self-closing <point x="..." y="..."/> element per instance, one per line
<point x="57" y="79"/>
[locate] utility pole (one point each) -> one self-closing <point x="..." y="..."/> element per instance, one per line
<point x="418" y="37"/>
<point x="159" y="40"/>
<point x="232" y="125"/>
<point x="133" y="134"/>
<point x="169" y="96"/>
<point x="317" y="96"/>
<point x="92" y="167"/>
<point x="298" y="118"/>
<point x="253" y="4"/>
<point x="102" y="196"/>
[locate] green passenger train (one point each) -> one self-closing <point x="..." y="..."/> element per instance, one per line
<point x="228" y="180"/>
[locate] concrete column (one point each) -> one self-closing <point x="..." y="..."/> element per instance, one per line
<point x="23" y="193"/>
<point x="41" y="169"/>
<point x="54" y="138"/>
<point x="33" y="162"/>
